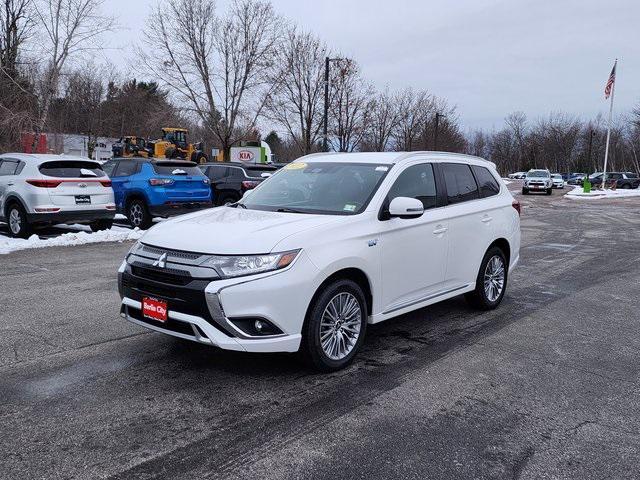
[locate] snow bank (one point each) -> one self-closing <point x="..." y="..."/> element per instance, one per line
<point x="578" y="193"/>
<point x="507" y="181"/>
<point x="116" y="234"/>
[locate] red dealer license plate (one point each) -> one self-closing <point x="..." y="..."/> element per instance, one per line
<point x="154" y="309"/>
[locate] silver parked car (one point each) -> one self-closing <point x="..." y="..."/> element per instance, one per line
<point x="558" y="181"/>
<point x="38" y="190"/>
<point x="537" y="180"/>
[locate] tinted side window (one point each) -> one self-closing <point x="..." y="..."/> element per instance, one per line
<point x="126" y="168"/>
<point x="217" y="173"/>
<point x="8" y="167"/>
<point x="416" y="182"/>
<point x="236" y="173"/>
<point x="486" y="182"/>
<point x="461" y="186"/>
<point x="109" y="167"/>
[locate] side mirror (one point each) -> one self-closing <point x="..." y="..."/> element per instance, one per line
<point x="405" y="207"/>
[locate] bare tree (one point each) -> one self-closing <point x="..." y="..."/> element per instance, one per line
<point x="415" y="108"/>
<point x="384" y="116"/>
<point x="349" y="107"/>
<point x="69" y="27"/>
<point x="218" y="65"/>
<point x="16" y="25"/>
<point x="297" y="101"/>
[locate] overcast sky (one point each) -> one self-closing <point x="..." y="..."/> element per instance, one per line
<point x="487" y="57"/>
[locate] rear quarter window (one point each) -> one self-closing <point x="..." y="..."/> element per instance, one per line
<point x="189" y="169"/>
<point x="487" y="183"/>
<point x="71" y="169"/>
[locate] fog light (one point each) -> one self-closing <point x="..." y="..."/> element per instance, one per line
<point x="259" y="325"/>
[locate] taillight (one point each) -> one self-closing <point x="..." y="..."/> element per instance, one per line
<point x="249" y="184"/>
<point x="105" y="183"/>
<point x="160" y="181"/>
<point x="516" y="205"/>
<point x="44" y="183"/>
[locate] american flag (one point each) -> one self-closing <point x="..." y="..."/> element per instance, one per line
<point x="610" y="82"/>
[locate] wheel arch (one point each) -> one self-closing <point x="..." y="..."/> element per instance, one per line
<point x="134" y="195"/>
<point x="502" y="244"/>
<point x="350" y="273"/>
<point x="10" y="200"/>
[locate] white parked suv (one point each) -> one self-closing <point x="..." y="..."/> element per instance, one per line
<point x="325" y="246"/>
<point x="37" y="190"/>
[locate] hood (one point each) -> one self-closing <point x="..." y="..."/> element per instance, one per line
<point x="231" y="231"/>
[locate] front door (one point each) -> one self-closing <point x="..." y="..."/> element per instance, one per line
<point x="414" y="251"/>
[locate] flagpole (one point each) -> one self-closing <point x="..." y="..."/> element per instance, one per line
<point x="606" y="149"/>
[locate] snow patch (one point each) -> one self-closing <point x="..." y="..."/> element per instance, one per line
<point x="578" y="194"/>
<point x="116" y="234"/>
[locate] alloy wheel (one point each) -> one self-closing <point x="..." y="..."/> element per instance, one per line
<point x="494" y="275"/>
<point x="136" y="214"/>
<point x="15" y="221"/>
<point x="340" y="326"/>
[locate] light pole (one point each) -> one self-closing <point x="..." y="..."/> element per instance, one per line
<point x="325" y="138"/>
<point x="435" y="133"/>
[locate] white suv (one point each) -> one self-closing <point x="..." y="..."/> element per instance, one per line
<point x="325" y="246"/>
<point x="38" y="190"/>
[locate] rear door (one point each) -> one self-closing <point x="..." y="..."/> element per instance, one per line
<point x="471" y="221"/>
<point x="81" y="184"/>
<point x="8" y="168"/>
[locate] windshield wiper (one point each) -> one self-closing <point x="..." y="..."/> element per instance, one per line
<point x="289" y="210"/>
<point x="238" y="204"/>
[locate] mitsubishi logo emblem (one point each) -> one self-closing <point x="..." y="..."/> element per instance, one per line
<point x="160" y="262"/>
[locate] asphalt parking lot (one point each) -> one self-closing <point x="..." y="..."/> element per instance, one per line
<point x="547" y="386"/>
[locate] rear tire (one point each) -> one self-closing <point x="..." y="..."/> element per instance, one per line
<point x="491" y="282"/>
<point x="549" y="191"/>
<point x="335" y="326"/>
<point x="99" y="225"/>
<point x="138" y="214"/>
<point x="19" y="226"/>
<point x="626" y="186"/>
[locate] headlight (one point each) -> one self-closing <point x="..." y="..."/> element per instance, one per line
<point x="239" y="265"/>
<point x="136" y="246"/>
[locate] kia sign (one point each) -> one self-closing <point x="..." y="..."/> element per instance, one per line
<point x="246" y="154"/>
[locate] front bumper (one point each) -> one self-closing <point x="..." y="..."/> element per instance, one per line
<point x="201" y="310"/>
<point x="71" y="216"/>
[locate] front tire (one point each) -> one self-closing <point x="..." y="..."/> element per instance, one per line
<point x="19" y="226"/>
<point x="525" y="191"/>
<point x="549" y="191"/>
<point x="335" y="326"/>
<point x="138" y="214"/>
<point x="491" y="281"/>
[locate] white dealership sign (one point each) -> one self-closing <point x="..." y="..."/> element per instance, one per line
<point x="246" y="154"/>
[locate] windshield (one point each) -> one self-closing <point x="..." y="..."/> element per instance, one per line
<point x="318" y="187"/>
<point x="557" y="177"/>
<point x="538" y="174"/>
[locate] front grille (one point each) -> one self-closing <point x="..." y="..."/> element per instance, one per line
<point x="168" y="275"/>
<point x="189" y="298"/>
<point x="171" y="253"/>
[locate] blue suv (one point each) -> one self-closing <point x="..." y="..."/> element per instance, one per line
<point x="146" y="188"/>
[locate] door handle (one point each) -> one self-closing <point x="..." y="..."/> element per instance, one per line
<point x="440" y="229"/>
<point x="486" y="219"/>
<point x="10" y="183"/>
